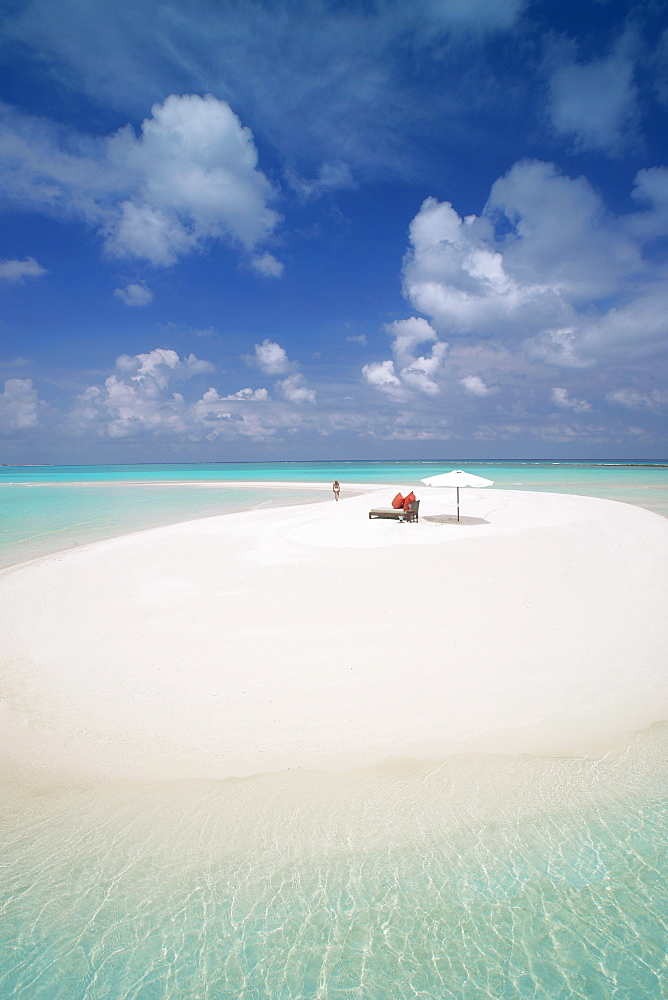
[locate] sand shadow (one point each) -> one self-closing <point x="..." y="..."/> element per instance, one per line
<point x="452" y="519"/>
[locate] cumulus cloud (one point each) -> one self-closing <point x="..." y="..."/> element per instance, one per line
<point x="213" y="417"/>
<point x="563" y="242"/>
<point x="359" y="339"/>
<point x="561" y="397"/>
<point x="546" y="278"/>
<point x="475" y="386"/>
<point x="407" y="335"/>
<point x="271" y="358"/>
<point x="254" y="394"/>
<point x="267" y="265"/>
<point x="546" y="267"/>
<point x="16" y="270"/>
<point x="135" y="294"/>
<point x="137" y="397"/>
<point x="543" y="247"/>
<point x="189" y="176"/>
<point x="138" y="400"/>
<point x="381" y="375"/>
<point x="452" y="271"/>
<point x="595" y="102"/>
<point x="161" y="365"/>
<point x="295" y="390"/>
<point x="19" y="405"/>
<point x="408" y="371"/>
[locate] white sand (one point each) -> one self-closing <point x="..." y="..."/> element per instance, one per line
<point x="313" y="637"/>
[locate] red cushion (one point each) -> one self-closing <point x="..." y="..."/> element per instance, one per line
<point x="408" y="499"/>
<point x="398" y="502"/>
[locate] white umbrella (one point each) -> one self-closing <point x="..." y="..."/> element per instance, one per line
<point x="457" y="478"/>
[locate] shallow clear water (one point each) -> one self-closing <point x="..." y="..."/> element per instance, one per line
<point x="37" y="519"/>
<point x="475" y="878"/>
<point x="469" y="878"/>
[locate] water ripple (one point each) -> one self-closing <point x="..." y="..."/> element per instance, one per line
<point x="503" y="878"/>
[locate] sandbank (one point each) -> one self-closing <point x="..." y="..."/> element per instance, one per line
<point x="311" y="637"/>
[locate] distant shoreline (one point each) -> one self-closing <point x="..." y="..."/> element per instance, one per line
<point x="582" y="462"/>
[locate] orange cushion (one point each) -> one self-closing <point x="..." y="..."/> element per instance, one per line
<point x="408" y="499"/>
<point x="398" y="502"/>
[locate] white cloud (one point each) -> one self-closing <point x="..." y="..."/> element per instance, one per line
<point x="595" y="102"/>
<point x="381" y="375"/>
<point x="476" y="386"/>
<point x="638" y="399"/>
<point x="295" y="390"/>
<point x="135" y="294"/>
<point x="359" y="339"/>
<point x="17" y="270"/>
<point x="407" y="372"/>
<point x="557" y="347"/>
<point x="19" y="405"/>
<point x="420" y="373"/>
<point x="271" y="358"/>
<point x="563" y="243"/>
<point x="407" y="334"/>
<point x="561" y="397"/>
<point x="545" y="278"/>
<point x="251" y="394"/>
<point x="196" y="177"/>
<point x="188" y="177"/>
<point x="453" y="273"/>
<point x="136" y="399"/>
<point x="161" y="365"/>
<point x="557" y="249"/>
<point x="546" y="267"/>
<point x="214" y="417"/>
<point x="267" y="265"/>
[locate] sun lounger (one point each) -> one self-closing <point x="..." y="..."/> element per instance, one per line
<point x="398" y="515"/>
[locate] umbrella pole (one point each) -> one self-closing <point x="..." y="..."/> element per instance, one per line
<point x="458" y="503"/>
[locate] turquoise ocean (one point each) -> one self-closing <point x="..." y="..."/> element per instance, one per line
<point x="475" y="877"/>
<point x="45" y="509"/>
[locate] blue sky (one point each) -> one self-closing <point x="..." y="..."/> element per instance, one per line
<point x="310" y="230"/>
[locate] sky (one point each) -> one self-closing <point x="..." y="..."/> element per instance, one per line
<point x="307" y="230"/>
